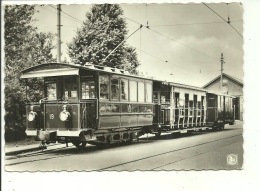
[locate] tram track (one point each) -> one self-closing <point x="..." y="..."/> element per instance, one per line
<point x="45" y="154"/>
<point x="172" y="151"/>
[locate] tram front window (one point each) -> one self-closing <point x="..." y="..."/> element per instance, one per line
<point x="71" y="91"/>
<point x="51" y="91"/>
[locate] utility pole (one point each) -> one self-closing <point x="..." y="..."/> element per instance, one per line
<point x="221" y="74"/>
<point x="58" y="33"/>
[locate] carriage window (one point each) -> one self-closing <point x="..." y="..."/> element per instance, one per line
<point x="114" y="89"/>
<point x="149" y="92"/>
<point x="71" y="91"/>
<point x="145" y="108"/>
<point x="109" y="108"/>
<point x="133" y="90"/>
<point x="203" y="102"/>
<point x="104" y="81"/>
<point x="195" y="100"/>
<point x="140" y="92"/>
<point x="186" y="100"/>
<point x="124" y="89"/>
<point x="176" y="99"/>
<point x="88" y="90"/>
<point x="51" y="91"/>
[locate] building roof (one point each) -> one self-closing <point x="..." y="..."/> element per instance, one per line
<point x="234" y="79"/>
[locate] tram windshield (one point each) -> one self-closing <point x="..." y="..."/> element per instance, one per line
<point x="61" y="88"/>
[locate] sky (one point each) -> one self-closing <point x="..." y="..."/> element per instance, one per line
<point x="184" y="42"/>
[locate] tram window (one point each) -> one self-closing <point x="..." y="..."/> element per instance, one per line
<point x="203" y="101"/>
<point x="140" y="92"/>
<point x="71" y="91"/>
<point x="155" y="96"/>
<point x="199" y="104"/>
<point x="104" y="86"/>
<point x="124" y="89"/>
<point x="51" y="91"/>
<point x="195" y="100"/>
<point x="135" y="108"/>
<point x="145" y="108"/>
<point x="186" y="100"/>
<point x="109" y="108"/>
<point x="177" y="97"/>
<point x="126" y="108"/>
<point x="149" y="92"/>
<point x="88" y="90"/>
<point x="114" y="89"/>
<point x="133" y="91"/>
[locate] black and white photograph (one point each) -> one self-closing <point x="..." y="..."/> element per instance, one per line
<point x="123" y="87"/>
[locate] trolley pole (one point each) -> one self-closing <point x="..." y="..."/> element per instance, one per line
<point x="58" y="34"/>
<point x="221" y="74"/>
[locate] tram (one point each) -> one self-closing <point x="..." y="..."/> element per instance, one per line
<point x="102" y="105"/>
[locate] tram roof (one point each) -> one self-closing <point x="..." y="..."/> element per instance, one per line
<point x="63" y="69"/>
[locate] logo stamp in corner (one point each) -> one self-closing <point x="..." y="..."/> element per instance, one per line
<point x="232" y="159"/>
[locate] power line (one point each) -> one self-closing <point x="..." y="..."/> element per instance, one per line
<point x="187" y="24"/>
<point x="184" y="45"/>
<point x="175" y="40"/>
<point x="223" y="19"/>
<point x="122" y="42"/>
<point x="67" y="14"/>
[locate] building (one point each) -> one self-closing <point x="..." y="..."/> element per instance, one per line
<point x="231" y="86"/>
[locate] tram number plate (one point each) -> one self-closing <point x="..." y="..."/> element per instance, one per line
<point x="203" y="128"/>
<point x="183" y="131"/>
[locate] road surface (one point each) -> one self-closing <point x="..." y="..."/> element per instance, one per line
<point x="206" y="150"/>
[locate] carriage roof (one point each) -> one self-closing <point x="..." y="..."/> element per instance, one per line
<point x="63" y="69"/>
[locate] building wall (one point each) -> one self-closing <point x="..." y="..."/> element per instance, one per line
<point x="234" y="89"/>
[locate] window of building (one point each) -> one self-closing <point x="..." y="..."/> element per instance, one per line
<point x="133" y="91"/>
<point x="124" y="89"/>
<point x="115" y="89"/>
<point x="149" y="92"/>
<point x="140" y="91"/>
<point x="104" y="86"/>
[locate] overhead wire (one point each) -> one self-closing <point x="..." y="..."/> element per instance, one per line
<point x="224" y="20"/>
<point x="76" y="19"/>
<point x="148" y="27"/>
<point x="176" y="41"/>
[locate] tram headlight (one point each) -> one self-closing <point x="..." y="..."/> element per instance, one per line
<point x="64" y="115"/>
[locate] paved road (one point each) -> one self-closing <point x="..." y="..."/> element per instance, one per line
<point x="201" y="150"/>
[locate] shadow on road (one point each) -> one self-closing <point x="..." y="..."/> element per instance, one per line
<point x="145" y="140"/>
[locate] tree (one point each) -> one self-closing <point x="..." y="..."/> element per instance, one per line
<point x="103" y="30"/>
<point x="24" y="47"/>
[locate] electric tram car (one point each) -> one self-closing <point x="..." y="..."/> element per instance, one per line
<point x="102" y="105"/>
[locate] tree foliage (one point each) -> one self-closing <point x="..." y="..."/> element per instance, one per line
<point x="102" y="31"/>
<point x="24" y="47"/>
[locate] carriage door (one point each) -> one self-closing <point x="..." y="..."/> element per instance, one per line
<point x="88" y="105"/>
